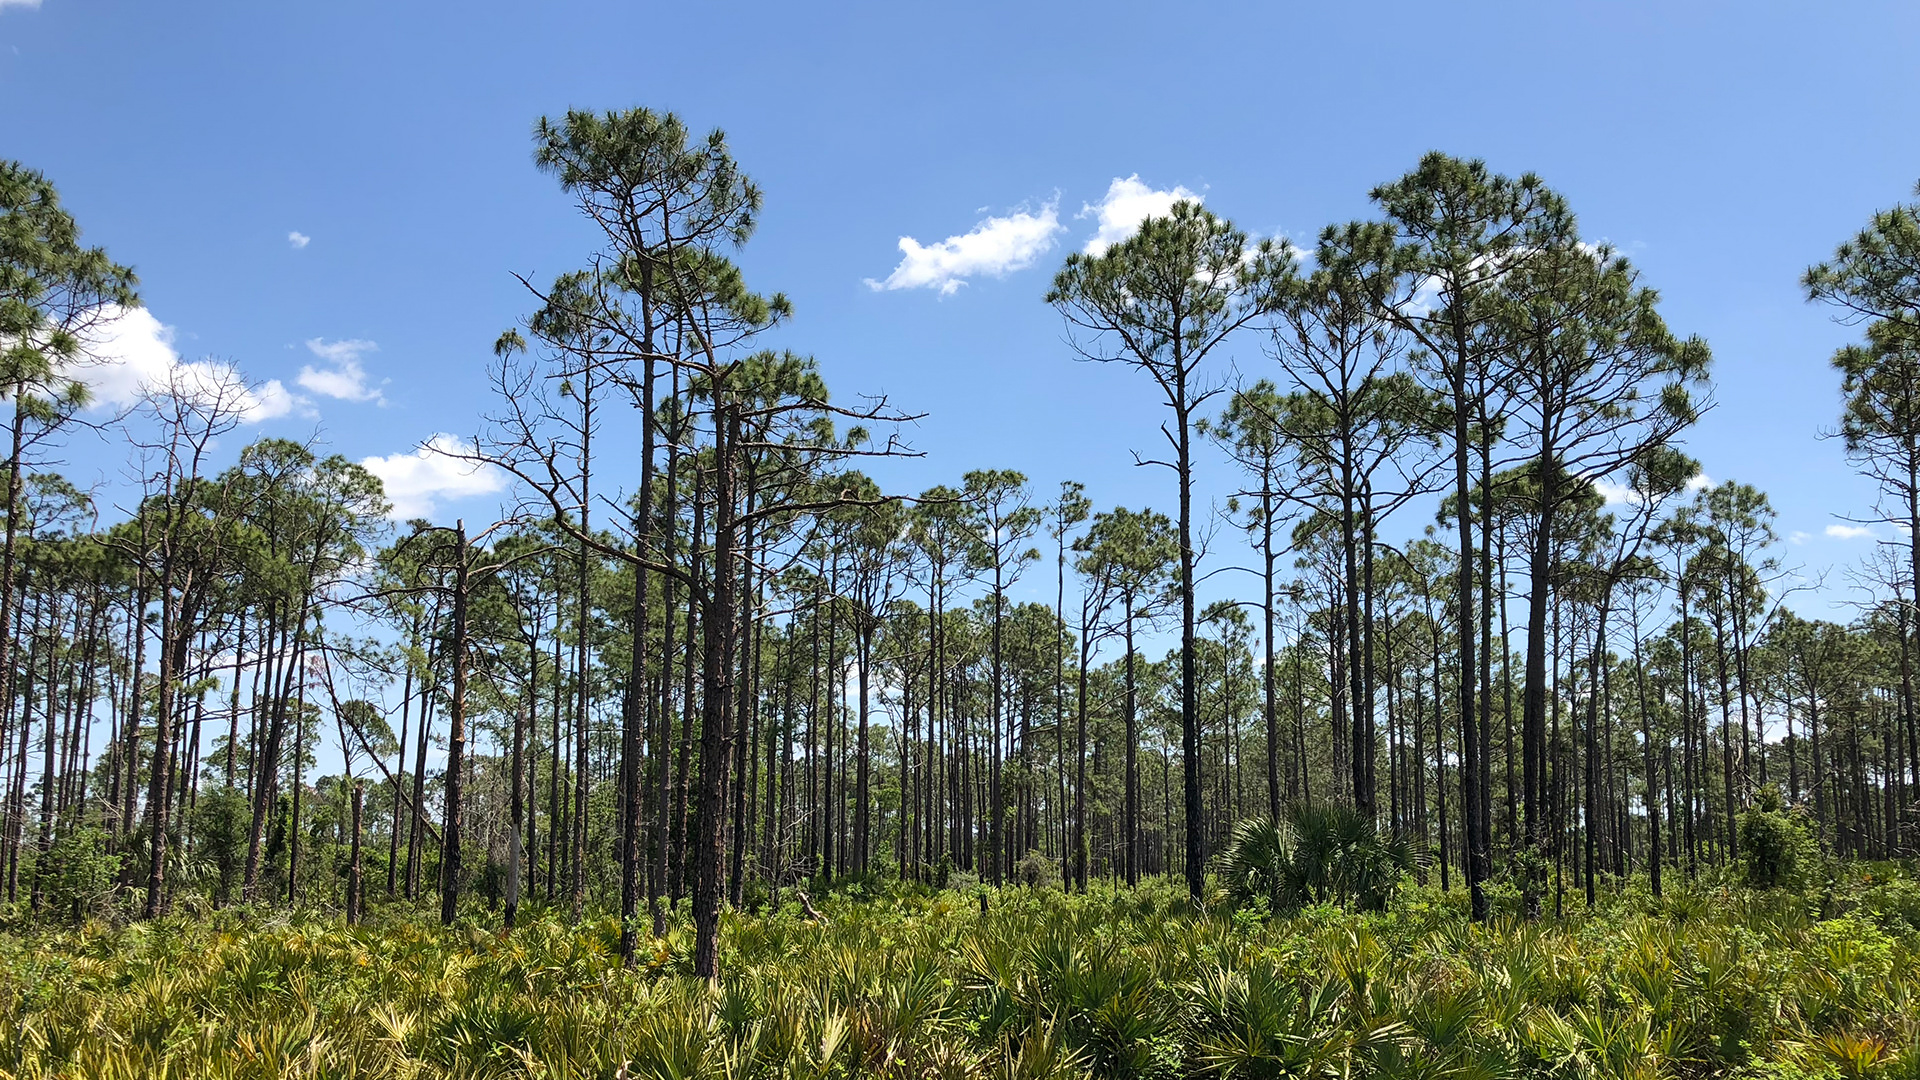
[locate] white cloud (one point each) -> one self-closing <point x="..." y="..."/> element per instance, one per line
<point x="1616" y="494"/>
<point x="129" y="351"/>
<point x="345" y="378"/>
<point x="1849" y="532"/>
<point x="1126" y="204"/>
<point x="1797" y="537"/>
<point x="996" y="246"/>
<point x="417" y="482"/>
<point x="1303" y="255"/>
<point x="295" y="239"/>
<point x="5" y="4"/>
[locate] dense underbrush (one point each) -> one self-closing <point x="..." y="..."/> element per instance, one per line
<point x="1709" y="981"/>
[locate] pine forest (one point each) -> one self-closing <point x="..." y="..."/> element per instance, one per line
<point x="1440" y="717"/>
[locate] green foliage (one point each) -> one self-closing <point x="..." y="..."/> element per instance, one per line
<point x="1036" y="871"/>
<point x="77" y="874"/>
<point x="1046" y="985"/>
<point x="1894" y="901"/>
<point x="220" y="819"/>
<point x="1322" y="854"/>
<point x="1777" y="847"/>
<point x="1710" y="981"/>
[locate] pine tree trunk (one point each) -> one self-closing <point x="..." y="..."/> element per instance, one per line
<point x="354" y="890"/>
<point x="450" y="853"/>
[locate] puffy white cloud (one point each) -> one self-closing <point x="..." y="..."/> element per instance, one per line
<point x="344" y="378"/>
<point x="1700" y="482"/>
<point x="129" y="351"/>
<point x="295" y="239"/>
<point x="996" y="246"/>
<point x="1126" y="204"/>
<point x="438" y="470"/>
<point x="1849" y="532"/>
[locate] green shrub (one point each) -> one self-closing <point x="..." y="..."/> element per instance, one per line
<point x="1889" y="896"/>
<point x="76" y="874"/>
<point x="220" y="819"/>
<point x="1036" y="871"/>
<point x="1317" y="855"/>
<point x="1777" y="848"/>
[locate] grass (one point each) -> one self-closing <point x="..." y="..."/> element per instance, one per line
<point x="1711" y="981"/>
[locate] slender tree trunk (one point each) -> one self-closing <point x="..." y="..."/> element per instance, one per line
<point x="636" y="707"/>
<point x="299" y="777"/>
<point x="716" y="723"/>
<point x="159" y="790"/>
<point x="1189" y="673"/>
<point x="417" y="816"/>
<point x="1593" y="763"/>
<point x="16" y="481"/>
<point x="516" y="806"/>
<point x="861" y="790"/>
<point x="1080" y="770"/>
<point x="1267" y="673"/>
<point x="744" y="708"/>
<point x="400" y="768"/>
<point x="456" y="736"/>
<point x="1477" y="862"/>
<point x="1653" y="773"/>
<point x="354" y="889"/>
<point x="1133" y="769"/>
<point x="1361" y="737"/>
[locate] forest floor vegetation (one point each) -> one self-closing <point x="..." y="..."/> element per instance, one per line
<point x="1713" y="979"/>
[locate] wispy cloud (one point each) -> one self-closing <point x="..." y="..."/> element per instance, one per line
<point x="344" y="378"/>
<point x="1849" y="532"/>
<point x="295" y="239"/>
<point x="29" y="4"/>
<point x="437" y="471"/>
<point x="1797" y="537"/>
<point x="996" y="246"/>
<point x="1127" y="203"/>
<point x="129" y="351"/>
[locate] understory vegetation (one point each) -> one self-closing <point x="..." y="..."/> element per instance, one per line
<point x="1712" y="979"/>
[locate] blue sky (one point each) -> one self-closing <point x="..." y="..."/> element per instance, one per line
<point x="1722" y="146"/>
